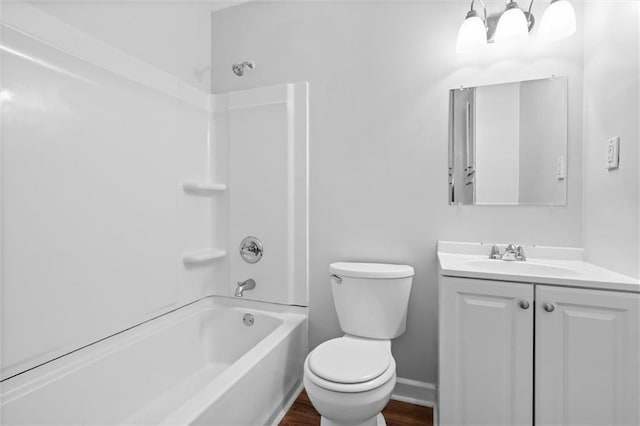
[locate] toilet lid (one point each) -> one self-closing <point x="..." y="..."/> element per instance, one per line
<point x="350" y="361"/>
<point x="370" y="270"/>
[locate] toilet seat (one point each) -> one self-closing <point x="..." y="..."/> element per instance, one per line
<point x="350" y="365"/>
<point x="350" y="361"/>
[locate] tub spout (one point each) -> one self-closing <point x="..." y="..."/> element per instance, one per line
<point x="244" y="285"/>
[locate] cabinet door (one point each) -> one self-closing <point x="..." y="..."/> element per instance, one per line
<point x="486" y="353"/>
<point x="587" y="357"/>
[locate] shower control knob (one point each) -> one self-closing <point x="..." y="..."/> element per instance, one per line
<point x="251" y="250"/>
<point x="524" y="304"/>
<point x="549" y="307"/>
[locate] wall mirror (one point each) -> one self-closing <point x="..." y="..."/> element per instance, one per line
<point x="508" y="143"/>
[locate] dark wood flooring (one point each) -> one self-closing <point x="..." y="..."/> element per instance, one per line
<point x="396" y="413"/>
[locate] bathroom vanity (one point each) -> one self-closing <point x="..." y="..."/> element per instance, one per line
<point x="548" y="340"/>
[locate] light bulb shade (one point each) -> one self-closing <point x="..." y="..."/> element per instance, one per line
<point x="472" y="34"/>
<point x="512" y="26"/>
<point x="558" y="21"/>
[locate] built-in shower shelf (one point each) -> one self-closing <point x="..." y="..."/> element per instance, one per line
<point x="203" y="188"/>
<point x="203" y="256"/>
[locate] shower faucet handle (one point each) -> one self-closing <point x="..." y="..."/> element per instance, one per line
<point x="251" y="249"/>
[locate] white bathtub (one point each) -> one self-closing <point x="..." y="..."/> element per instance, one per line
<point x="199" y="364"/>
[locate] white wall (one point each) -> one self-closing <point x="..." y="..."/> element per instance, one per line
<point x="173" y="36"/>
<point x="379" y="75"/>
<point x="612" y="108"/>
<point x="497" y="123"/>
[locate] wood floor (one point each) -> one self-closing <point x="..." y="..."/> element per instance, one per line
<point x="396" y="413"/>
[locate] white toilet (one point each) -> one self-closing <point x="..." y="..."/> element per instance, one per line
<point x="349" y="380"/>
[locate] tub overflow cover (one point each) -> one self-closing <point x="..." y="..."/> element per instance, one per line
<point x="248" y="320"/>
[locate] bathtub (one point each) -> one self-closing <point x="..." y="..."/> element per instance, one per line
<point x="200" y="364"/>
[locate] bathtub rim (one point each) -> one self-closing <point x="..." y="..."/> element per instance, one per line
<point x="188" y="412"/>
<point x="21" y="384"/>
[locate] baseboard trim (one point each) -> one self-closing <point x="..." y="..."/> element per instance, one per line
<point x="287" y="405"/>
<point x="415" y="392"/>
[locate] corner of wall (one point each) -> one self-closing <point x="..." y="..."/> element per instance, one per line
<point x="611" y="223"/>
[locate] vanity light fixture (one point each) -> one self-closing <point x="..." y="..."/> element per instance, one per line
<point x="514" y="24"/>
<point x="473" y="31"/>
<point x="558" y="21"/>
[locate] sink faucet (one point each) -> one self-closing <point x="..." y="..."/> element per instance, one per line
<point x="244" y="285"/>
<point x="514" y="253"/>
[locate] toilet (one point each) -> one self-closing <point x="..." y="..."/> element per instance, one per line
<point x="349" y="379"/>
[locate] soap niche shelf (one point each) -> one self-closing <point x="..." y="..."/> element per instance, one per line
<point x="203" y="188"/>
<point x="203" y="256"/>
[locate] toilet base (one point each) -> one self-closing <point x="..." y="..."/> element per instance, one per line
<point x="376" y="421"/>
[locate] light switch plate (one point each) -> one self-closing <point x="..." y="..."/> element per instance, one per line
<point x="613" y="153"/>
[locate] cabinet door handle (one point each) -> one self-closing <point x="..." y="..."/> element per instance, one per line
<point x="524" y="304"/>
<point x="549" y="307"/>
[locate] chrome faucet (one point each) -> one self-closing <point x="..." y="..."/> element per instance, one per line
<point x="511" y="253"/>
<point x="244" y="285"/>
<point x="514" y="253"/>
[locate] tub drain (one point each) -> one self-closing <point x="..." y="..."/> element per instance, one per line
<point x="248" y="320"/>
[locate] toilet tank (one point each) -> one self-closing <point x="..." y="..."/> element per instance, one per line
<point x="371" y="298"/>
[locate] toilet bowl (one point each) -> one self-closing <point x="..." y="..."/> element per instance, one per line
<point x="350" y="379"/>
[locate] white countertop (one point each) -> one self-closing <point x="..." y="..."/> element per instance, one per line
<point x="544" y="265"/>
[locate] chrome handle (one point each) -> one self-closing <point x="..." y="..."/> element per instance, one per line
<point x="549" y="307"/>
<point x="337" y="278"/>
<point x="524" y="304"/>
<point x="251" y="249"/>
<point x="495" y="253"/>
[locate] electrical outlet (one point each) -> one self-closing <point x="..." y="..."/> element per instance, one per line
<point x="613" y="153"/>
<point x="561" y="168"/>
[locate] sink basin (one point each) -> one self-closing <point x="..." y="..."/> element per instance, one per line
<point x="518" y="268"/>
<point x="563" y="266"/>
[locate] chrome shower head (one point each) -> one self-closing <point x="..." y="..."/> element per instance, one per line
<point x="238" y="69"/>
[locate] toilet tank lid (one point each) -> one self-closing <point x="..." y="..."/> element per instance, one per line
<point x="370" y="270"/>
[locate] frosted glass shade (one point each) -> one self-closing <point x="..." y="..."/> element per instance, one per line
<point x="472" y="34"/>
<point x="512" y="26"/>
<point x="558" y="21"/>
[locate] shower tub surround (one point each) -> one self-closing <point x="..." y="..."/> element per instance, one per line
<point x="200" y="364"/>
<point x="127" y="317"/>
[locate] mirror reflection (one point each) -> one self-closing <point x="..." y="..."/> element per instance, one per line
<point x="508" y="143"/>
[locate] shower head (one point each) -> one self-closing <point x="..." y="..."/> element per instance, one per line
<point x="238" y="69"/>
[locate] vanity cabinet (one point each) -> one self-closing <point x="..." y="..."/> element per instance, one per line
<point x="587" y="357"/>
<point x="578" y="348"/>
<point x="486" y="352"/>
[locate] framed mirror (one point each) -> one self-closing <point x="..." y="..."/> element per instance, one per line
<point x="508" y="143"/>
